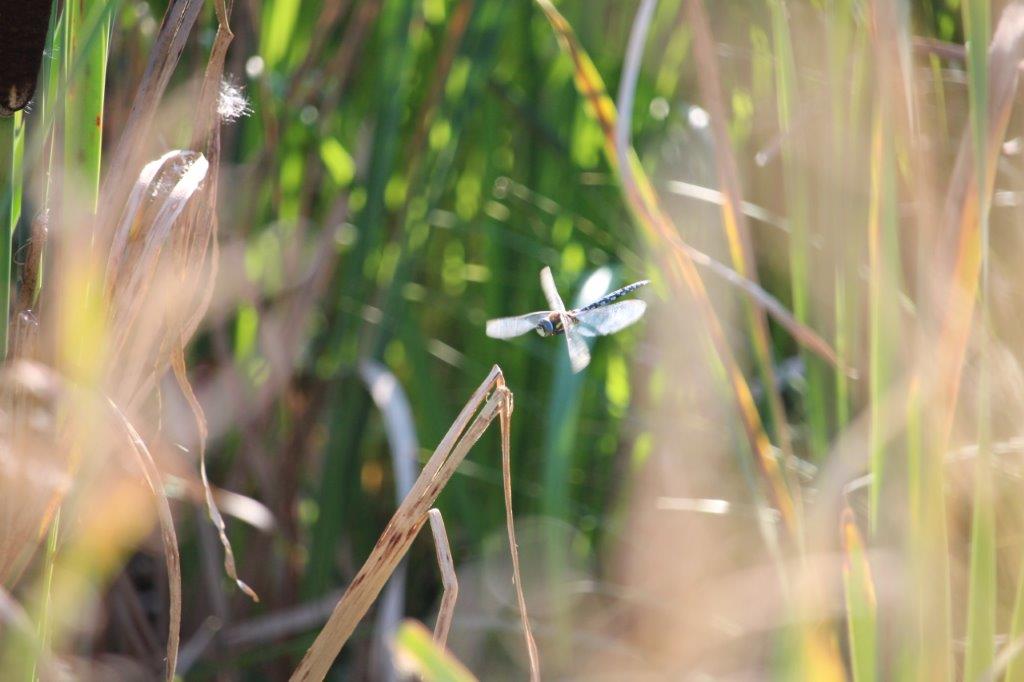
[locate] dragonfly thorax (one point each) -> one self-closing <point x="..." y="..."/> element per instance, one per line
<point x="550" y="325"/>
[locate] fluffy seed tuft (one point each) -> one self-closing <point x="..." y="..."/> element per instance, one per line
<point x="233" y="104"/>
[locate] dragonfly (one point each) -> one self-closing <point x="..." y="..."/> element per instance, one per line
<point x="600" y="318"/>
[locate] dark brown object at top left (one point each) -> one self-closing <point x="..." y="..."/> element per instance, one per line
<point x="23" y="25"/>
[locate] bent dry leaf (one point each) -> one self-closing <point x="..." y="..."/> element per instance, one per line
<point x="678" y="263"/>
<point x="449" y="580"/>
<point x="168" y="535"/>
<point x="158" y="243"/>
<point x="211" y="504"/>
<point x="165" y="242"/>
<point x="196" y="254"/>
<point x="144" y="265"/>
<point x="517" y="578"/>
<point x="491" y="399"/>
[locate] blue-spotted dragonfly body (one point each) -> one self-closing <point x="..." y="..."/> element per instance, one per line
<point x="599" y="318"/>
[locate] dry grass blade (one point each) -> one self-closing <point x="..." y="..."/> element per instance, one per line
<point x="198" y="240"/>
<point x="143" y="346"/>
<point x="177" y="23"/>
<point x="449" y="579"/>
<point x="246" y="509"/>
<point x="167" y="534"/>
<point x="714" y="196"/>
<point x="962" y="256"/>
<point x="141" y="333"/>
<point x="211" y="503"/>
<point x="677" y="263"/>
<point x="167" y="236"/>
<point x="490" y="400"/>
<point x="769" y="304"/>
<point x="160" y="194"/>
<point x="733" y="217"/>
<point x="517" y="578"/>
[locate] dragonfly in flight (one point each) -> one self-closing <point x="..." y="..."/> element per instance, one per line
<point x="599" y="318"/>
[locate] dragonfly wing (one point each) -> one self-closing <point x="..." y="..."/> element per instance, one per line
<point x="610" y="318"/>
<point x="507" y="327"/>
<point x="579" y="354"/>
<point x="547" y="283"/>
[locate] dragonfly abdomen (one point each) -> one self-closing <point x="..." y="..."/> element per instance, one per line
<point x="618" y="293"/>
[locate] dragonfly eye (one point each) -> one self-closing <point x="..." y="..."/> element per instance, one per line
<point x="545" y="328"/>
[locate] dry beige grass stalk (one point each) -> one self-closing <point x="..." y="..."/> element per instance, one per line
<point x="168" y="535"/>
<point x="449" y="580"/>
<point x="491" y="399"/>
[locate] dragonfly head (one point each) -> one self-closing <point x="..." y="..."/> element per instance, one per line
<point x="545" y="328"/>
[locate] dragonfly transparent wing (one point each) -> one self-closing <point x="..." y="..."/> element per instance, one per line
<point x="579" y="354"/>
<point x="547" y="283"/>
<point x="507" y="327"/>
<point x="610" y="318"/>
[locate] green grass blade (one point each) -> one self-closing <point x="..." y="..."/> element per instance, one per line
<point x="981" y="604"/>
<point x="419" y="654"/>
<point x="351" y="407"/>
<point x="847" y="67"/>
<point x="861" y="609"/>
<point x="16" y="185"/>
<point x="798" y="204"/>
<point x="982" y="598"/>
<point x="1015" y="667"/>
<point x="884" y="313"/>
<point x="86" y="40"/>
